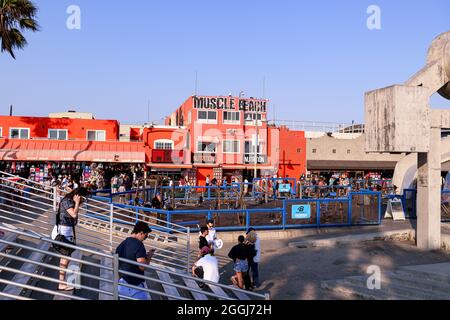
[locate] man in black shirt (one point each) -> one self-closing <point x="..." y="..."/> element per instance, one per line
<point x="133" y="249"/>
<point x="241" y="254"/>
<point x="202" y="242"/>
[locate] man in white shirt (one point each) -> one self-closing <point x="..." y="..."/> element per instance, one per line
<point x="212" y="236"/>
<point x="209" y="264"/>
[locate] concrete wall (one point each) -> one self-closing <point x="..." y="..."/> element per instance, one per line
<point x="346" y="150"/>
<point x="406" y="169"/>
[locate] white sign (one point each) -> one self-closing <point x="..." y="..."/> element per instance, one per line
<point x="395" y="210"/>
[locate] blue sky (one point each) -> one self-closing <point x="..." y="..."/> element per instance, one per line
<point x="318" y="57"/>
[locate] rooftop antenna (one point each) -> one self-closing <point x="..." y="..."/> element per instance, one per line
<point x="11" y="110"/>
<point x="264" y="88"/>
<point x="196" y="82"/>
<point x="148" y="111"/>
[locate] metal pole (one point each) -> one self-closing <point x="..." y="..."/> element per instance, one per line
<point x="188" y="249"/>
<point x="55" y="199"/>
<point x="256" y="147"/>
<point x="116" y="277"/>
<point x="111" y="221"/>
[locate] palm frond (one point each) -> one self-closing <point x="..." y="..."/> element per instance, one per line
<point x="16" y="16"/>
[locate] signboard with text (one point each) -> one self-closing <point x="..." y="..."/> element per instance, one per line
<point x="204" y="158"/>
<point x="284" y="187"/>
<point x="302" y="211"/>
<point x="231" y="103"/>
<point x="250" y="159"/>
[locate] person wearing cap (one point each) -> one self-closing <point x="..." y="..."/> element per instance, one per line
<point x="207" y="267"/>
<point x="133" y="249"/>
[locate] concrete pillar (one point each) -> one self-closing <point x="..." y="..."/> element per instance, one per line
<point x="429" y="195"/>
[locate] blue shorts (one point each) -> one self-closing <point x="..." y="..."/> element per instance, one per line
<point x="133" y="293"/>
<point x="241" y="266"/>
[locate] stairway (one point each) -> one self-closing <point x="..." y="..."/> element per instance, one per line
<point x="425" y="282"/>
<point x="29" y="267"/>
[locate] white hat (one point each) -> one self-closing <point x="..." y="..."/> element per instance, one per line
<point x="218" y="244"/>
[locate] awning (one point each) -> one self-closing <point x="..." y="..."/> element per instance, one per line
<point x="350" y="165"/>
<point x="170" y="166"/>
<point x="73" y="151"/>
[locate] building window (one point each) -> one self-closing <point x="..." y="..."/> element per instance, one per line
<point x="164" y="144"/>
<point x="299" y="150"/>
<point x="348" y="151"/>
<point x="314" y="150"/>
<point x="206" y="147"/>
<point x="57" y="134"/>
<point x="189" y="118"/>
<point x="250" y="118"/>
<point x="250" y="147"/>
<point x="96" y="135"/>
<point x="207" y="116"/>
<point x="231" y="117"/>
<point x="1" y="132"/>
<point x="334" y="150"/>
<point x="230" y="146"/>
<point x="19" y="133"/>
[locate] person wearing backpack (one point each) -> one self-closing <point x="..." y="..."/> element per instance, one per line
<point x="64" y="231"/>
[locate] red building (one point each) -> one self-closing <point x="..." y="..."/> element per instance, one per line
<point x="223" y="137"/>
<point x="65" y="145"/>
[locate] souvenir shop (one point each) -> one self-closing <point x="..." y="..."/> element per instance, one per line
<point x="99" y="174"/>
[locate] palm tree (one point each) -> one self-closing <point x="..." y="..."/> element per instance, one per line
<point x="16" y="16"/>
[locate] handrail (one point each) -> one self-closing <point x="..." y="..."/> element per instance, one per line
<point x="41" y="222"/>
<point x="107" y="256"/>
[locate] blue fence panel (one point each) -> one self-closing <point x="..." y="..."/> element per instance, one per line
<point x="359" y="208"/>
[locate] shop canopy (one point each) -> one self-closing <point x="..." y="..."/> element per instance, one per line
<point x="350" y="165"/>
<point x="73" y="151"/>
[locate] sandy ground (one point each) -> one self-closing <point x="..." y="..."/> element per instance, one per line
<point x="296" y="274"/>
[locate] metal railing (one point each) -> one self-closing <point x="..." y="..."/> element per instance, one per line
<point x="108" y="285"/>
<point x="320" y="126"/>
<point x="27" y="203"/>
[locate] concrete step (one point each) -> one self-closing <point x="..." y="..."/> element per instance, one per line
<point x="107" y="275"/>
<point x="439" y="272"/>
<point x="412" y="281"/>
<point x="218" y="291"/>
<point x="193" y="285"/>
<point x="392" y="287"/>
<point x="355" y="291"/>
<point x="29" y="268"/>
<point x="8" y="237"/>
<point x="168" y="289"/>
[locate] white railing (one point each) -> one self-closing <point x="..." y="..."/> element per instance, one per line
<point x="108" y="285"/>
<point x="28" y="203"/>
<point x="318" y="126"/>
